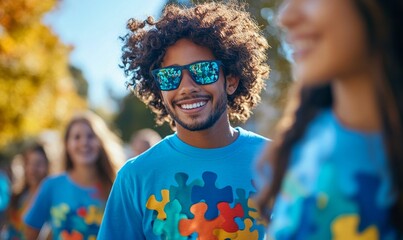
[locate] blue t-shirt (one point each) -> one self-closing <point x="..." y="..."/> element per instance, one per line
<point x="14" y="229"/>
<point x="5" y="191"/>
<point x="176" y="191"/>
<point x="338" y="186"/>
<point x="75" y="212"/>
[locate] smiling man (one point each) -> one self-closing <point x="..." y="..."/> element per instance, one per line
<point x="196" y="68"/>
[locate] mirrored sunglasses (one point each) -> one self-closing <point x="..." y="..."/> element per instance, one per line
<point x="202" y="73"/>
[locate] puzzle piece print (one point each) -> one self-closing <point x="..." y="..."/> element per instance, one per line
<point x="228" y="214"/>
<point x="345" y="227"/>
<point x="154" y="204"/>
<point x="370" y="212"/>
<point x="324" y="206"/>
<point x="240" y="223"/>
<point x="256" y="218"/>
<point x="247" y="233"/>
<point x="243" y="200"/>
<point x="254" y="213"/>
<point x="82" y="212"/>
<point x="305" y="226"/>
<point x="211" y="194"/>
<point x="94" y="215"/>
<point x="76" y="222"/>
<point x="250" y="209"/>
<point x="170" y="227"/>
<point x="183" y="192"/>
<point x="59" y="213"/>
<point x="74" y="235"/>
<point x="223" y="235"/>
<point x="205" y="228"/>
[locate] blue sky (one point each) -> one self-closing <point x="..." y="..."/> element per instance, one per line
<point x="93" y="28"/>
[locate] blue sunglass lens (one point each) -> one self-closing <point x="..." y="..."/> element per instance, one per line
<point x="168" y="78"/>
<point x="205" y="72"/>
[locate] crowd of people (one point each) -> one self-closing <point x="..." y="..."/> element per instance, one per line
<point x="333" y="170"/>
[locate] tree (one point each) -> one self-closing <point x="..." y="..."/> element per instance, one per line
<point x="79" y="81"/>
<point x="37" y="89"/>
<point x="275" y="95"/>
<point x="134" y="115"/>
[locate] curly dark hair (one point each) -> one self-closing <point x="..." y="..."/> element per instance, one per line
<point x="225" y="28"/>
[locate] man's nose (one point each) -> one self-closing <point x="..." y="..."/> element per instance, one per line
<point x="187" y="84"/>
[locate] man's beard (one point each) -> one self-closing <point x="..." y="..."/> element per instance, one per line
<point x="217" y="112"/>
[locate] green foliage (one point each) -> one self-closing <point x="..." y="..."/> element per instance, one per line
<point x="79" y="81"/>
<point x="275" y="96"/>
<point x="133" y="116"/>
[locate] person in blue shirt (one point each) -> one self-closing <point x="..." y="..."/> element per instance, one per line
<point x="36" y="167"/>
<point x="73" y="202"/>
<point x="196" y="68"/>
<point x="5" y="195"/>
<point x="337" y="163"/>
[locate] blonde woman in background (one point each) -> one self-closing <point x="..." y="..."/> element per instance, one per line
<point x="74" y="201"/>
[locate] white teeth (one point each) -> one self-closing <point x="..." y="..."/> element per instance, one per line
<point x="193" y="105"/>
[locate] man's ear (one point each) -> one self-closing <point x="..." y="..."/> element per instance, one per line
<point x="232" y="84"/>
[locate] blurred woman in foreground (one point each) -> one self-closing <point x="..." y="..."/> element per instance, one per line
<point x="338" y="158"/>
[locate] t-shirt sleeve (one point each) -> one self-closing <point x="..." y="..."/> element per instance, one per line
<point x="261" y="168"/>
<point x="122" y="218"/>
<point x="39" y="211"/>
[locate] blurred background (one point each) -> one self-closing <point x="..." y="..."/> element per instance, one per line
<point x="60" y="56"/>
